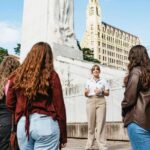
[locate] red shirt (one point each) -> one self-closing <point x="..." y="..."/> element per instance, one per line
<point x="52" y="105"/>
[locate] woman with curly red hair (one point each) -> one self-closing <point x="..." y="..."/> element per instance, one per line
<point x="35" y="96"/>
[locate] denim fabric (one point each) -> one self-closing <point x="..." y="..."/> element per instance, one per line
<point x="44" y="133"/>
<point x="139" y="137"/>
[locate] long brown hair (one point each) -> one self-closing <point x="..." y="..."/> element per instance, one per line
<point x="138" y="56"/>
<point x="8" y="65"/>
<point x="34" y="75"/>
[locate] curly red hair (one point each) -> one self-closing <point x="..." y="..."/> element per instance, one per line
<point x="34" y="75"/>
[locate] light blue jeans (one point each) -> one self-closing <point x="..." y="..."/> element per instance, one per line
<point x="139" y="137"/>
<point x="44" y="133"/>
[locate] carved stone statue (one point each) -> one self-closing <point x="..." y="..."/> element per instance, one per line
<point x="63" y="22"/>
<point x="51" y="21"/>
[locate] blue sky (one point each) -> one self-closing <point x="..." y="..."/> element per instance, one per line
<point x="129" y="15"/>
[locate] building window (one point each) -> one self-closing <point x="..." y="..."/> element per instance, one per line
<point x="103" y="45"/>
<point x="97" y="13"/>
<point x="91" y="11"/>
<point x="103" y="29"/>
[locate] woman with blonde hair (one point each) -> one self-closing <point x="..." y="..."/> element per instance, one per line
<point x="8" y="65"/>
<point x="35" y="96"/>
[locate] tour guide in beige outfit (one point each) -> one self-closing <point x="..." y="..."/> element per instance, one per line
<point x="95" y="90"/>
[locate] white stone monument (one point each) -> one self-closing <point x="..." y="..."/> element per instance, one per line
<point x="50" y="21"/>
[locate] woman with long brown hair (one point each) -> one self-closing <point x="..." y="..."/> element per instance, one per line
<point x="136" y="102"/>
<point x="8" y="65"/>
<point x="35" y="96"/>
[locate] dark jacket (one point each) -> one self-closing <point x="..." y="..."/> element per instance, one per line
<point x="52" y="105"/>
<point x="5" y="125"/>
<point x="136" y="102"/>
<point x="5" y="114"/>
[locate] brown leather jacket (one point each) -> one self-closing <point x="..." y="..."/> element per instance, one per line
<point x="136" y="103"/>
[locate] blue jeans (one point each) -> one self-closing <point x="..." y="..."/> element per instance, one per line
<point x="44" y="133"/>
<point x="139" y="137"/>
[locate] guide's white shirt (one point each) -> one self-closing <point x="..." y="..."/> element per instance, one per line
<point x="92" y="84"/>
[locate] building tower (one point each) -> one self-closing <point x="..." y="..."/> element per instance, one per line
<point x="93" y="27"/>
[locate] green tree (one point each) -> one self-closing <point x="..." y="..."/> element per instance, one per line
<point x="3" y="53"/>
<point x="89" y="56"/>
<point x="17" y="49"/>
<point x="87" y="52"/>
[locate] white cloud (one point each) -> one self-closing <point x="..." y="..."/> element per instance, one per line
<point x="9" y="33"/>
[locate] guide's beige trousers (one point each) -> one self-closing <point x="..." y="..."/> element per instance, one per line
<point x="96" y="116"/>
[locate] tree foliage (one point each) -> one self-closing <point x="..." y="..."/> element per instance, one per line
<point x="17" y="49"/>
<point x="89" y="56"/>
<point x="3" y="53"/>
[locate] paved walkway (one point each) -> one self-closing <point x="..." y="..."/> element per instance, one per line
<point x="79" y="144"/>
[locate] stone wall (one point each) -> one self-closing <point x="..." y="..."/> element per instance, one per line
<point x="74" y="74"/>
<point x="114" y="131"/>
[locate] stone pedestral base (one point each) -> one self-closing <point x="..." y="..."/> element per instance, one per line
<point x="65" y="51"/>
<point x="114" y="131"/>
